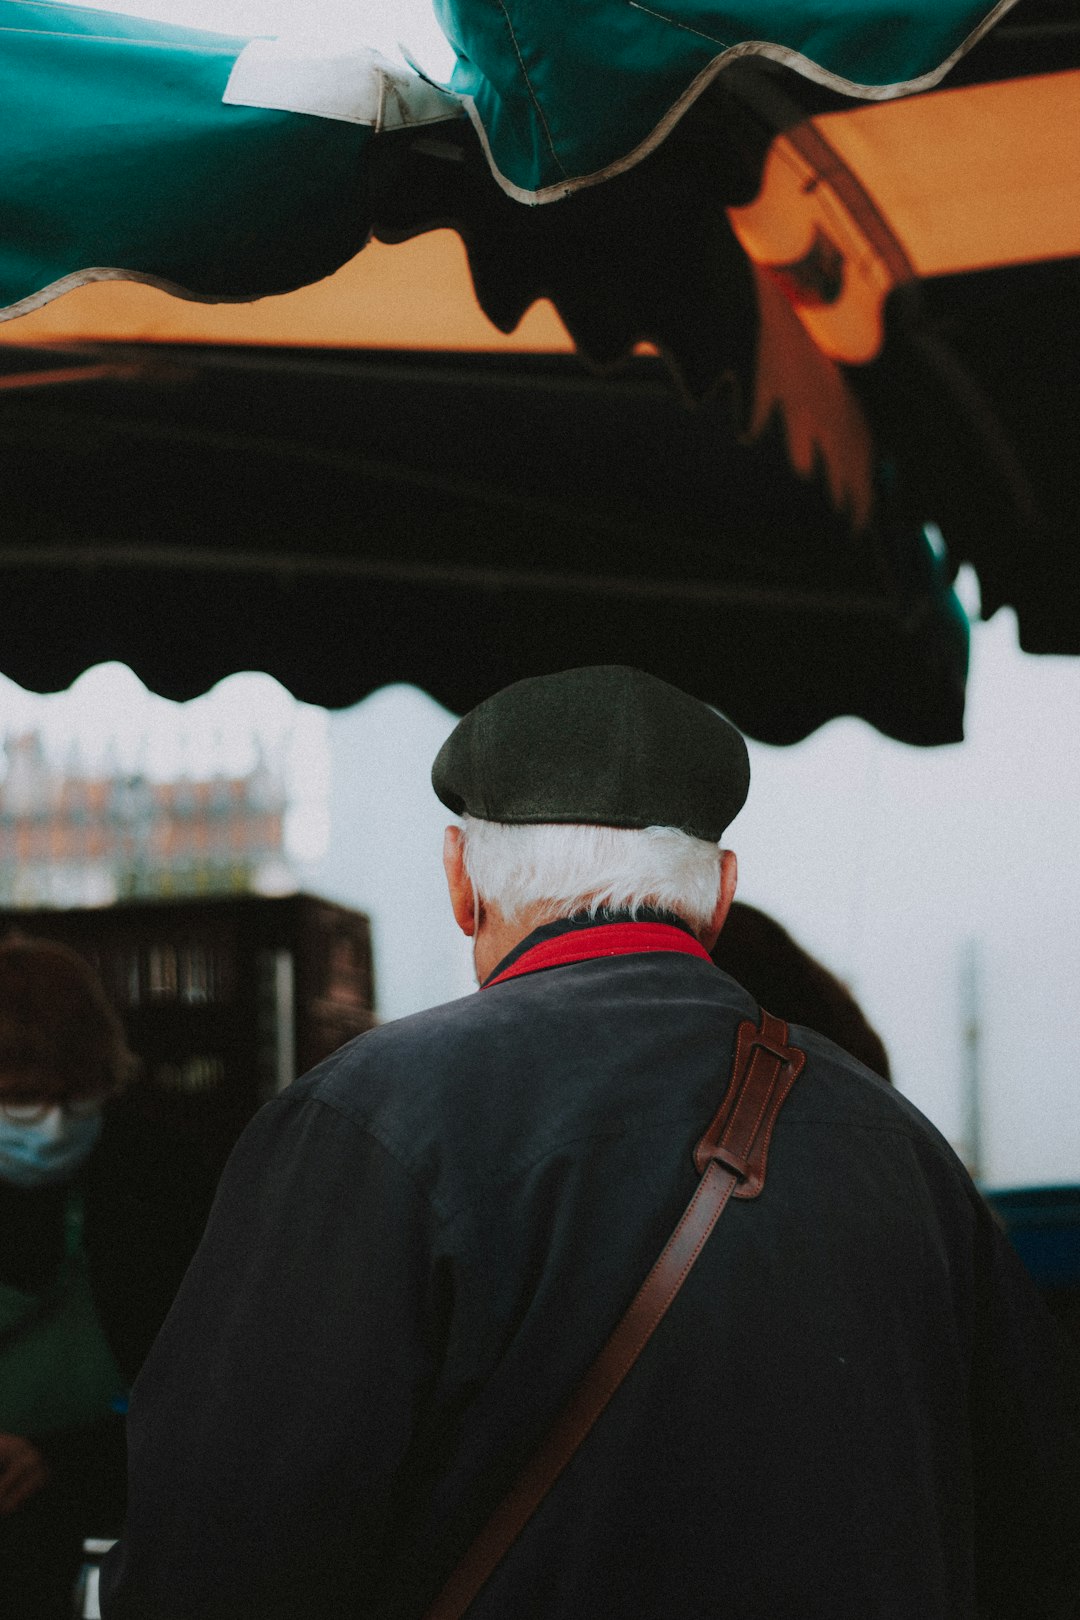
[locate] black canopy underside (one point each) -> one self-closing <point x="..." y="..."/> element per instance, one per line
<point x="344" y="520"/>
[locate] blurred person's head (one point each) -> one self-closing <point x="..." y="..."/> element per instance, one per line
<point x="592" y="791"/>
<point x="794" y="985"/>
<point x="63" y="1054"/>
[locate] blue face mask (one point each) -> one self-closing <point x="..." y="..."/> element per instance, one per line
<point x="39" y="1152"/>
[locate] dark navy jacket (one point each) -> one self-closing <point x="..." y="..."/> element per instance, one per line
<point x="856" y="1409"/>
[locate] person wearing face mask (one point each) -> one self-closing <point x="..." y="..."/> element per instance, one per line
<point x="96" y="1226"/>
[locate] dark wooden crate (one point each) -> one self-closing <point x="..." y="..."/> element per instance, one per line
<point x="224" y="999"/>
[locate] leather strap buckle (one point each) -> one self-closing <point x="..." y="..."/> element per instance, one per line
<point x="731" y="1161"/>
<point x="783" y="1054"/>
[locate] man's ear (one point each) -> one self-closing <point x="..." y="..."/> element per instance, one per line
<point x="462" y="902"/>
<point x="725" y="894"/>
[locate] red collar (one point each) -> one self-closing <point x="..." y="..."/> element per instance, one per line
<point x="606" y="939"/>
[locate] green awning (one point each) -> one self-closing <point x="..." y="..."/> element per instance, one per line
<point x="120" y="159"/>
<point x="575" y="91"/>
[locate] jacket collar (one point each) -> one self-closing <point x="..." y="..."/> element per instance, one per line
<point x="582" y="938"/>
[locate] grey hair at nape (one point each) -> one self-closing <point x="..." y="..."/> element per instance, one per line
<point x="567" y="870"/>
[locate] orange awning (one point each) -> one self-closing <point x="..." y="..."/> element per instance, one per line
<point x="855" y="203"/>
<point x="417" y="295"/>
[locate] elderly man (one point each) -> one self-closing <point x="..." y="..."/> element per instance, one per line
<point x="855" y="1408"/>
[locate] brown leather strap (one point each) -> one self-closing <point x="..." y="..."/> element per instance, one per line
<point x="764" y="1071"/>
<point x="730" y="1159"/>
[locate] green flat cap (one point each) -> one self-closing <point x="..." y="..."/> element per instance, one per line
<point x="606" y="746"/>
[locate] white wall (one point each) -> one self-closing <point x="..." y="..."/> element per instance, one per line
<point x="385" y="847"/>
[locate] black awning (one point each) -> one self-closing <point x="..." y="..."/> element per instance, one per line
<point x="344" y="520"/>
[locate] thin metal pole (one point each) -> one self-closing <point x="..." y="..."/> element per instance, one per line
<point x="971" y="1025"/>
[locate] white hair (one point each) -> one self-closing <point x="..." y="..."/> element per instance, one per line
<point x="567" y="870"/>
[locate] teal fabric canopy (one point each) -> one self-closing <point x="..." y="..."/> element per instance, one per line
<point x="569" y="92"/>
<point x="119" y="157"/>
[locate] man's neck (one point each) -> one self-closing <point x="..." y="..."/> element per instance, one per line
<point x="496" y="937"/>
